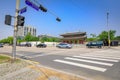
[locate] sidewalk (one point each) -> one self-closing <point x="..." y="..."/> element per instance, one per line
<point x="29" y="70"/>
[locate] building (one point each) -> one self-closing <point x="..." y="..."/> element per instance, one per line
<point x="23" y="31"/>
<point x="74" y="38"/>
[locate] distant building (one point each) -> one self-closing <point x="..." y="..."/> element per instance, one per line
<point x="74" y="38"/>
<point x="23" y="31"/>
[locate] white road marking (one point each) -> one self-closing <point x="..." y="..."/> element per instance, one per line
<point x="102" y="56"/>
<point x="89" y="61"/>
<point x="81" y="65"/>
<point x="111" y="60"/>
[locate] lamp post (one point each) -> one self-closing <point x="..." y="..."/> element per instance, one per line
<point x="108" y="30"/>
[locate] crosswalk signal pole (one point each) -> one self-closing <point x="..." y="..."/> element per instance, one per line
<point x="15" y="30"/>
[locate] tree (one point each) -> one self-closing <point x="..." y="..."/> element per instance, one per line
<point x="30" y="37"/>
<point x="8" y="40"/>
<point x="92" y="38"/>
<point x="117" y="38"/>
<point x="49" y="39"/>
<point x="34" y="38"/>
<point x="43" y="39"/>
<point x="104" y="35"/>
<point x="93" y="35"/>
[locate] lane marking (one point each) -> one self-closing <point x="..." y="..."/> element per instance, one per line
<point x="89" y="61"/>
<point x="95" y="58"/>
<point x="103" y="56"/>
<point x="81" y="65"/>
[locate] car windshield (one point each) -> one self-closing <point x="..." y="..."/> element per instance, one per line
<point x="63" y="44"/>
<point x="93" y="42"/>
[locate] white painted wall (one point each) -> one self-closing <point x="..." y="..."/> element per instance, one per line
<point x="34" y="43"/>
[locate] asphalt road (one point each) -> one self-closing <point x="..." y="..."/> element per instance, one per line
<point x="98" y="64"/>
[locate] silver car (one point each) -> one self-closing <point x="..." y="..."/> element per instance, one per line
<point x="64" y="45"/>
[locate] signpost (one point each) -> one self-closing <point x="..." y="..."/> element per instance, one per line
<point x="23" y="10"/>
<point x="29" y="3"/>
<point x="15" y="31"/>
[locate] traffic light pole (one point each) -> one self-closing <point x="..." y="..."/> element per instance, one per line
<point x="15" y="30"/>
<point x="108" y="31"/>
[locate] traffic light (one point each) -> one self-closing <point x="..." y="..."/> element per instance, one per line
<point x="8" y="19"/>
<point x="20" y="20"/>
<point x="43" y="8"/>
<point x="58" y="19"/>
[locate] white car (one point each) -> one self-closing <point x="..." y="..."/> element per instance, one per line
<point x="64" y="45"/>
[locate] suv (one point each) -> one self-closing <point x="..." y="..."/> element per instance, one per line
<point x="98" y="44"/>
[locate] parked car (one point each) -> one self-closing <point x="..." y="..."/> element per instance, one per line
<point x="64" y="45"/>
<point x="98" y="44"/>
<point x="42" y="45"/>
<point x="26" y="45"/>
<point x="1" y="45"/>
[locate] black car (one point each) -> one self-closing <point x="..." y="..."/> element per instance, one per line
<point x="42" y="45"/>
<point x="1" y="45"/>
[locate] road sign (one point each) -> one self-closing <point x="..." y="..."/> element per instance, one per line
<point x="23" y="10"/>
<point x="29" y="3"/>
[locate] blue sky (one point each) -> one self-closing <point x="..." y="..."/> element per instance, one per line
<point x="76" y="15"/>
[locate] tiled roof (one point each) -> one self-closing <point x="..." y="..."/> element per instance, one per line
<point x="74" y="33"/>
<point x="75" y="37"/>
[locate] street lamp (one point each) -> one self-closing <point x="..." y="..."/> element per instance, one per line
<point x="108" y="30"/>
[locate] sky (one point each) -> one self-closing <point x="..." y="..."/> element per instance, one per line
<point x="88" y="16"/>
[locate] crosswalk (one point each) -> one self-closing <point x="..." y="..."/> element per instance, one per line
<point x="98" y="61"/>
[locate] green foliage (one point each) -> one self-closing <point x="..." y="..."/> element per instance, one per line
<point x="104" y="35"/>
<point x="49" y="39"/>
<point x="20" y="39"/>
<point x="93" y="38"/>
<point x="117" y="38"/>
<point x="8" y="40"/>
<point x="30" y="37"/>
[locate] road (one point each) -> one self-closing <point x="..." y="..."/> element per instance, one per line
<point x="98" y="64"/>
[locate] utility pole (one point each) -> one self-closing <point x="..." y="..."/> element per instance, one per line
<point x="15" y="30"/>
<point x="108" y="31"/>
